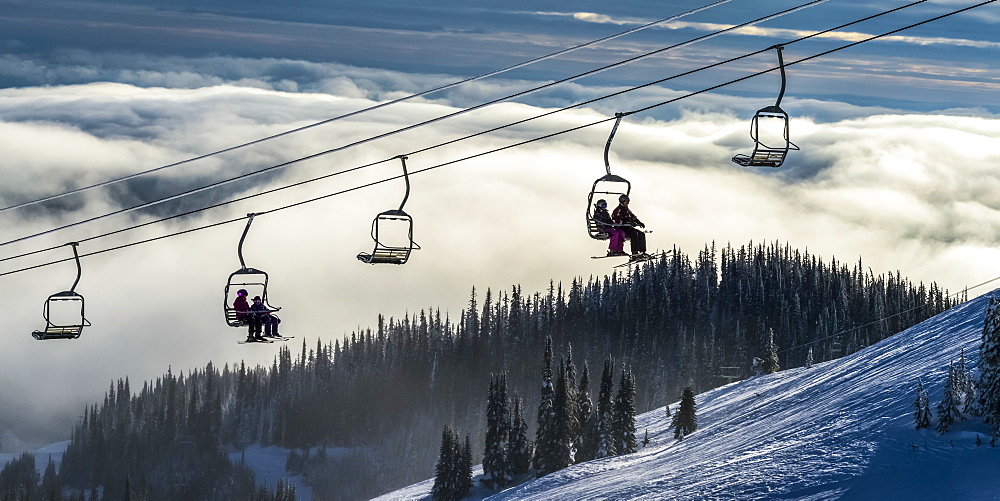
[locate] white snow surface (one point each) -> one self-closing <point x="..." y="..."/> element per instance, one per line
<point x="841" y="429"/>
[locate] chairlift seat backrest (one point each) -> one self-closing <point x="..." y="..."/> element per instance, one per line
<point x="390" y="254"/>
<point x="60" y="329"/>
<point x="765" y="155"/>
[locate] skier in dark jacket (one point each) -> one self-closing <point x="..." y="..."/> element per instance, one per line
<point x="623" y="216"/>
<point x="607" y="225"/>
<point x="265" y="318"/>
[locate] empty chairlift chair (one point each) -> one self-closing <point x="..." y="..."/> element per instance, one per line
<point x="64" y="311"/>
<point x="251" y="279"/>
<point x="608" y="186"/>
<point x="770" y="149"/>
<point x="392" y="231"/>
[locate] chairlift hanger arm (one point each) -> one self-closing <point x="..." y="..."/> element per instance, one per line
<point x="406" y="177"/>
<point x="607" y="147"/>
<point x="239" y="250"/>
<point x="781" y="68"/>
<point x="79" y="269"/>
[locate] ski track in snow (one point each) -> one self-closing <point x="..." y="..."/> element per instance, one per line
<point x="841" y="429"/>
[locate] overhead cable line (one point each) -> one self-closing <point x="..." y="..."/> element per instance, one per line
<point x="424" y="123"/>
<point x="378" y="106"/>
<point x="514" y="145"/>
<point x="470" y="136"/>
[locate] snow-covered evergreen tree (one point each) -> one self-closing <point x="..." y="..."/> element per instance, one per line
<point x="971" y="406"/>
<point x="964" y="385"/>
<point x="561" y="440"/>
<point x="686" y="421"/>
<point x="519" y="448"/>
<point x="572" y="400"/>
<point x="809" y="358"/>
<point x="543" y="433"/>
<point x="496" y="470"/>
<point x="605" y="411"/>
<point x="623" y="418"/>
<point x="769" y="361"/>
<point x="463" y="472"/>
<point x="453" y="472"/>
<point x="922" y="407"/>
<point x="989" y="368"/>
<point x="444" y="489"/>
<point x="586" y="443"/>
<point x="947" y="410"/>
<point x="50" y="481"/>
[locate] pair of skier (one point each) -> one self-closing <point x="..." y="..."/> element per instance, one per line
<point x="620" y="225"/>
<point x="255" y="316"/>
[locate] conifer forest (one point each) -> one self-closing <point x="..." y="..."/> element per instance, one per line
<point x="363" y="413"/>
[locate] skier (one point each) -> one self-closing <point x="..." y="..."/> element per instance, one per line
<point x="607" y="225"/>
<point x="623" y="217"/>
<point x="244" y="316"/>
<point x="265" y="318"/>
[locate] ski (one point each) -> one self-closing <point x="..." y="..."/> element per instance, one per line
<point x="642" y="259"/>
<point x="254" y="341"/>
<point x="602" y="257"/>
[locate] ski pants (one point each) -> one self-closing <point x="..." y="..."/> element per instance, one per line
<point x="637" y="238"/>
<point x="270" y="323"/>
<point x="617" y="240"/>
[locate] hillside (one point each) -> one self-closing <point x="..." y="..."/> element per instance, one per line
<point x="839" y="430"/>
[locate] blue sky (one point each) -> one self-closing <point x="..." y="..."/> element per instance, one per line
<point x="899" y="138"/>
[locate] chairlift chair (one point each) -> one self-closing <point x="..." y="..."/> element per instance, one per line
<point x="253" y="279"/>
<point x="69" y="302"/>
<point x="607" y="186"/>
<point x="769" y="155"/>
<point x="386" y="252"/>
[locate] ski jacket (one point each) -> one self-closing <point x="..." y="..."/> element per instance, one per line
<point x="242" y="307"/>
<point x="602" y="218"/>
<point x="260" y="309"/>
<point x="623" y="215"/>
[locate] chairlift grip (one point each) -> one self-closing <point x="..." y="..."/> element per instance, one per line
<point x="607" y="147"/>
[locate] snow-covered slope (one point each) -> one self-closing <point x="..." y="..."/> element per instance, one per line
<point x="839" y="430"/>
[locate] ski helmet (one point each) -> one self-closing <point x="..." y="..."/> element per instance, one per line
<point x="242" y="292"/>
<point x="623" y="198"/>
<point x="602" y="204"/>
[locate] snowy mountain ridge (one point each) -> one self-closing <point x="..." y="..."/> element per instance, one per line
<point x="841" y="429"/>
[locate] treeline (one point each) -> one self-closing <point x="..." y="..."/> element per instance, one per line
<point x="385" y="393"/>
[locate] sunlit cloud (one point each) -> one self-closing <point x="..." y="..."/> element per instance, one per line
<point x="784" y="33"/>
<point x="847" y="36"/>
<point x="591" y="17"/>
